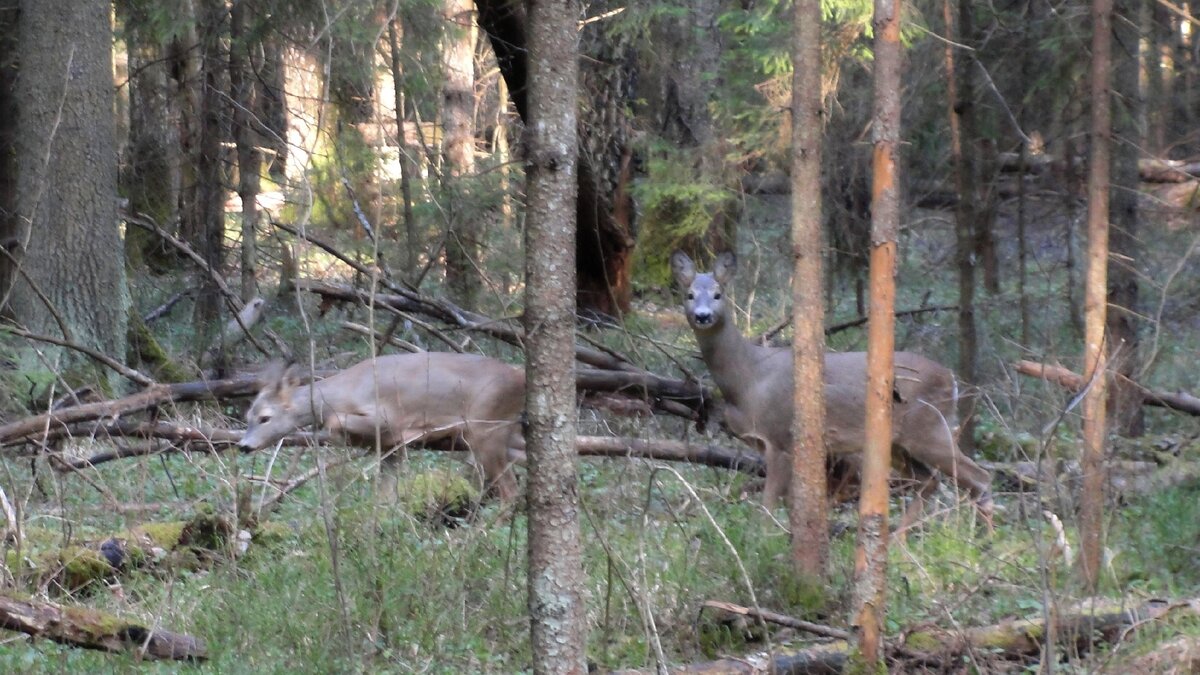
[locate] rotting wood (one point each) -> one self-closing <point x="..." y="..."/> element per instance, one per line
<point x="92" y="629"/>
<point x="776" y="618"/>
<point x="1179" y="402"/>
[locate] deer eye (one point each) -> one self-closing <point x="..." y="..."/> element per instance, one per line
<point x="691" y="296"/>
<point x="716" y="296"/>
<point x="263" y="419"/>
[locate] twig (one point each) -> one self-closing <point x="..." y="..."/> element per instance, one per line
<point x="124" y="371"/>
<point x="781" y="619"/>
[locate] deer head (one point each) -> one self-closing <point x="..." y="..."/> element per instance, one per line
<point x="273" y="414"/>
<point x="704" y="303"/>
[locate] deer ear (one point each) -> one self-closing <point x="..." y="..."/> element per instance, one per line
<point x="270" y="376"/>
<point x="683" y="268"/>
<point x="292" y="377"/>
<point x="725" y="267"/>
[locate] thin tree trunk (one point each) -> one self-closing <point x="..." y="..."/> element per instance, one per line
<point x="9" y="223"/>
<point x="1124" y="400"/>
<point x="1091" y="507"/>
<point x="870" y="560"/>
<point x="210" y="190"/>
<point x="960" y="85"/>
<point x="242" y="86"/>
<point x="458" y="148"/>
<point x="810" y="529"/>
<point x="411" y="245"/>
<point x="271" y="106"/>
<point x="556" y="582"/>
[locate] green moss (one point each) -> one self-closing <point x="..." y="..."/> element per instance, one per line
<point x="163" y="535"/>
<point x="271" y="532"/>
<point x="74" y="567"/>
<point x="436" y="496"/>
<point x="206" y="530"/>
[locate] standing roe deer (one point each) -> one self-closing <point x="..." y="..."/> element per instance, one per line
<point x="404" y="398"/>
<point x="756" y="383"/>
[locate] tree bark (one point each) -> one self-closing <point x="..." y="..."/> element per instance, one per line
<point x="209" y="237"/>
<point x="151" y="176"/>
<point x="463" y="231"/>
<point x="960" y="85"/>
<point x="556" y="582"/>
<point x="271" y="106"/>
<point x="605" y="211"/>
<point x="9" y="223"/>
<point x="408" y="168"/>
<point x="1124" y="400"/>
<point x="244" y="92"/>
<point x="870" y="560"/>
<point x="1091" y="508"/>
<point x="69" y="243"/>
<point x="809" y="506"/>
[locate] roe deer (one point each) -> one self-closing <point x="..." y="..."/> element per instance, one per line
<point x="426" y="396"/>
<point x="756" y="383"/>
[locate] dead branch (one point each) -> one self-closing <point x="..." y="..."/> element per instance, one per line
<point x="161" y="311"/>
<point x="124" y="371"/>
<point x="780" y="619"/>
<point x="1180" y="402"/>
<point x="93" y="629"/>
<point x="671" y="451"/>
<point x="40" y="427"/>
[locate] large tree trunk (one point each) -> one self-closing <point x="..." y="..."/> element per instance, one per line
<point x="8" y="153"/>
<point x="67" y="180"/>
<point x="408" y="167"/>
<point x="809" y="507"/>
<point x="556" y="601"/>
<point x="870" y="560"/>
<point x="1124" y="400"/>
<point x="605" y="215"/>
<point x="1091" y="507"/>
<point x="464" y="229"/>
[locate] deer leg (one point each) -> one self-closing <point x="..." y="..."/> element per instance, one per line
<point x="489" y="450"/>
<point x="916" y="507"/>
<point x="779" y="475"/>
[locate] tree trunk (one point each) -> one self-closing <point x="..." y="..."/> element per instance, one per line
<point x="605" y="213"/>
<point x="407" y="167"/>
<point x="556" y="582"/>
<point x="960" y="85"/>
<point x="151" y="176"/>
<point x="66" y="178"/>
<point x="244" y="90"/>
<point x="271" y="106"/>
<point x="808" y="514"/>
<point x="1091" y="507"/>
<point x="463" y="231"/>
<point x="209" y="207"/>
<point x="1124" y="401"/>
<point x="870" y="560"/>
<point x="9" y="230"/>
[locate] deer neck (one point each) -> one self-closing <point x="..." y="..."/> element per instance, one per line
<point x="307" y="406"/>
<point x="730" y="358"/>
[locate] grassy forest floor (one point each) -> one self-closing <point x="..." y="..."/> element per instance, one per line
<point x="347" y="581"/>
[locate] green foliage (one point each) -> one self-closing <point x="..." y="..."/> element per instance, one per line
<point x="681" y="208"/>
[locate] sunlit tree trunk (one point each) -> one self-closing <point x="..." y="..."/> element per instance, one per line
<point x="810" y="538"/>
<point x="870" y="560"/>
<point x="73" y="272"/>
<point x="556" y="581"/>
<point x="1091" y="509"/>
<point x="458" y="147"/>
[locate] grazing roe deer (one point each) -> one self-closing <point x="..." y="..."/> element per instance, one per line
<point x="756" y="383"/>
<point x="427" y="396"/>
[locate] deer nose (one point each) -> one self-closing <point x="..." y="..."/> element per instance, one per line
<point x="703" y="316"/>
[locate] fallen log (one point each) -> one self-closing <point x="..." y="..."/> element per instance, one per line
<point x="93" y="629"/>
<point x="1180" y="402"/>
<point x="671" y="451"/>
<point x="42" y="426"/>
